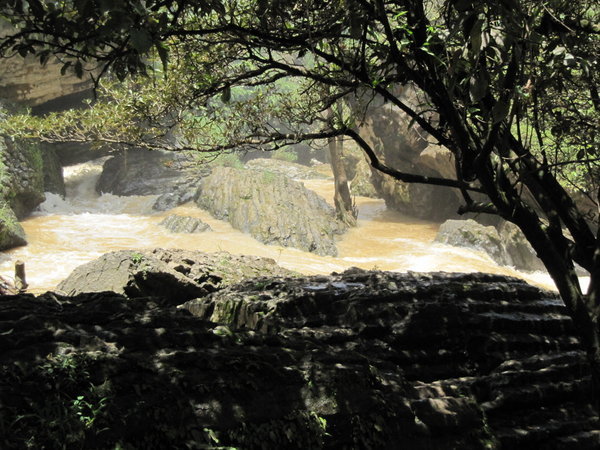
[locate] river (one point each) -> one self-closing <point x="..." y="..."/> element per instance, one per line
<point x="65" y="233"/>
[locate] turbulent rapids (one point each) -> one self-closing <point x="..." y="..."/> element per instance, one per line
<point x="65" y="233"/>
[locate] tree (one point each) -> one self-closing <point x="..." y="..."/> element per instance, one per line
<point x="510" y="87"/>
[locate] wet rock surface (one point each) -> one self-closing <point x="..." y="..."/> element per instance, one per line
<point x="144" y="172"/>
<point x="177" y="275"/>
<point x="184" y="224"/>
<point x="271" y="207"/>
<point x="506" y="245"/>
<point x="356" y="360"/>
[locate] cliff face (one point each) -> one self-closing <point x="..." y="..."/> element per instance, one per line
<point x="403" y="147"/>
<point x="27" y="82"/>
<point x="26" y="172"/>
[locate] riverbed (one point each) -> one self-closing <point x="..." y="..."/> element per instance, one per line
<point x="65" y="233"/>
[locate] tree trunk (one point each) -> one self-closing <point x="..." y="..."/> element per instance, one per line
<point x="344" y="206"/>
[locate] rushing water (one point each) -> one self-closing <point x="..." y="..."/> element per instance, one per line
<point x="66" y="233"/>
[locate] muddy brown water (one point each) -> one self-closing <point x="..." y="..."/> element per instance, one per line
<point x="66" y="233"/>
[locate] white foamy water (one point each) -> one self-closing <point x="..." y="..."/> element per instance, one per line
<point x="66" y="233"/>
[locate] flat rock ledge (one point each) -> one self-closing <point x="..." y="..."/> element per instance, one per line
<point x="175" y="275"/>
<point x="356" y="360"/>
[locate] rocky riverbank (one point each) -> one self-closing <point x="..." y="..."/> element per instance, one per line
<point x="362" y="359"/>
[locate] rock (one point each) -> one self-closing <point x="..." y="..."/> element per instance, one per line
<point x="518" y="248"/>
<point x="142" y="172"/>
<point x="28" y="82"/>
<point x="289" y="169"/>
<point x="470" y="234"/>
<point x="54" y="181"/>
<point x="506" y="246"/>
<point x="389" y="132"/>
<point x="184" y="224"/>
<point x="134" y="274"/>
<point x="25" y="173"/>
<point x="175" y="274"/>
<point x="362" y="182"/>
<point x="21" y="175"/>
<point x="354" y="360"/>
<point x="12" y="233"/>
<point x="271" y="207"/>
<point x="358" y="171"/>
<point x="180" y="194"/>
<point x="438" y="159"/>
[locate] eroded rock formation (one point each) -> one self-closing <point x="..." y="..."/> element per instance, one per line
<point x="386" y="129"/>
<point x="357" y="360"/>
<point x="271" y="207"/>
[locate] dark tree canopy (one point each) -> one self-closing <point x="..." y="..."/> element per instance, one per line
<point x="509" y="87"/>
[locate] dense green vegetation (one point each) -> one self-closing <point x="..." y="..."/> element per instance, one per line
<point x="509" y="87"/>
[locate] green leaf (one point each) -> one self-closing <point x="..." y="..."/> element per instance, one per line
<point x="500" y="111"/>
<point x="141" y="40"/>
<point x="163" y="53"/>
<point x="65" y="67"/>
<point x="78" y="69"/>
<point x="478" y="87"/>
<point x="476" y="37"/>
<point x="226" y="94"/>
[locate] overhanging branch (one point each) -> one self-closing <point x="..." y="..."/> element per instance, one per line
<point x="406" y="177"/>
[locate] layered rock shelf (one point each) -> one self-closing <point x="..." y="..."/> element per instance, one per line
<point x="362" y="359"/>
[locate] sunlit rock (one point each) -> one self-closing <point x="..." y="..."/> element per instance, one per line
<point x="506" y="245"/>
<point x="289" y="169"/>
<point x="173" y="274"/>
<point x="271" y="207"/>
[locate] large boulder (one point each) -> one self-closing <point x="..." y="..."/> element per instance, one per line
<point x="389" y="132"/>
<point x="271" y="207"/>
<point x="356" y="360"/>
<point x="519" y="250"/>
<point x="178" y="275"/>
<point x="358" y="171"/>
<point x="506" y="244"/>
<point x="21" y="175"/>
<point x="144" y="172"/>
